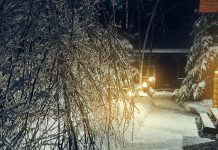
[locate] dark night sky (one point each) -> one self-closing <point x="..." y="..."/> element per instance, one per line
<point x="173" y="22"/>
<point x="180" y="14"/>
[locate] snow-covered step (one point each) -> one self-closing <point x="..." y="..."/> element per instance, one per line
<point x="190" y="129"/>
<point x="207" y="124"/>
<point x="214" y="115"/>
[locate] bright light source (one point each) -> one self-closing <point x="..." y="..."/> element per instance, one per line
<point x="130" y="94"/>
<point x="151" y="79"/>
<point x="144" y="85"/>
<point x="216" y="72"/>
<point x="139" y="87"/>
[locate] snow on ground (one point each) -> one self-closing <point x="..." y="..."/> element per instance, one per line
<point x="167" y="127"/>
<point x="198" y="106"/>
<point x="143" y="106"/>
<point x="160" y="124"/>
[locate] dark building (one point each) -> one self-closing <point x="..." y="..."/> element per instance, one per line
<point x="166" y="66"/>
<point x="166" y="50"/>
<point x="169" y="39"/>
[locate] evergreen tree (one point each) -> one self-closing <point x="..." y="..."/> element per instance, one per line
<point x="202" y="60"/>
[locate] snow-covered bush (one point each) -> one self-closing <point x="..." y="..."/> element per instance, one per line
<point x="62" y="77"/>
<point x="202" y="60"/>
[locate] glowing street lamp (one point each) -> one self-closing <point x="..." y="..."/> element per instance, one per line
<point x="144" y="85"/>
<point x="151" y="79"/>
<point x="130" y="94"/>
<point x="139" y="87"/>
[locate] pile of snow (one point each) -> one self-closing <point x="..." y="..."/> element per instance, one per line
<point x="198" y="106"/>
<point x="163" y="95"/>
<point x="151" y="92"/>
<point x="143" y="105"/>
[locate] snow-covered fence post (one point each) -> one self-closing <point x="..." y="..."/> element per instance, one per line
<point x="215" y="89"/>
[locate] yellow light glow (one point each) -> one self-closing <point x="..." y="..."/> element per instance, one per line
<point x="130" y="94"/>
<point x="144" y="85"/>
<point x="151" y="79"/>
<point x="139" y="87"/>
<point x="216" y="72"/>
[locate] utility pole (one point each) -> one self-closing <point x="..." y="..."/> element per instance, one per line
<point x="145" y="42"/>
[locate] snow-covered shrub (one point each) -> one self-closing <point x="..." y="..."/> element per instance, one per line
<point x="62" y="77"/>
<point x="202" y="60"/>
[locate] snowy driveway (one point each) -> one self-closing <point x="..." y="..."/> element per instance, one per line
<point x="167" y="127"/>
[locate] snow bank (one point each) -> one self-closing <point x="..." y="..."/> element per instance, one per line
<point x="163" y="95"/>
<point x="198" y="106"/>
<point x="143" y="105"/>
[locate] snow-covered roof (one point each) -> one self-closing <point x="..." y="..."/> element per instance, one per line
<point x="172" y="51"/>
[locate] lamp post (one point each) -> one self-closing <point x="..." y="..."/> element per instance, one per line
<point x="215" y="90"/>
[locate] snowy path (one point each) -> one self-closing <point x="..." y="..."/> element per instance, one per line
<point x="167" y="127"/>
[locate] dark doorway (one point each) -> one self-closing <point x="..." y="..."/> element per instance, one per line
<point x="166" y="73"/>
